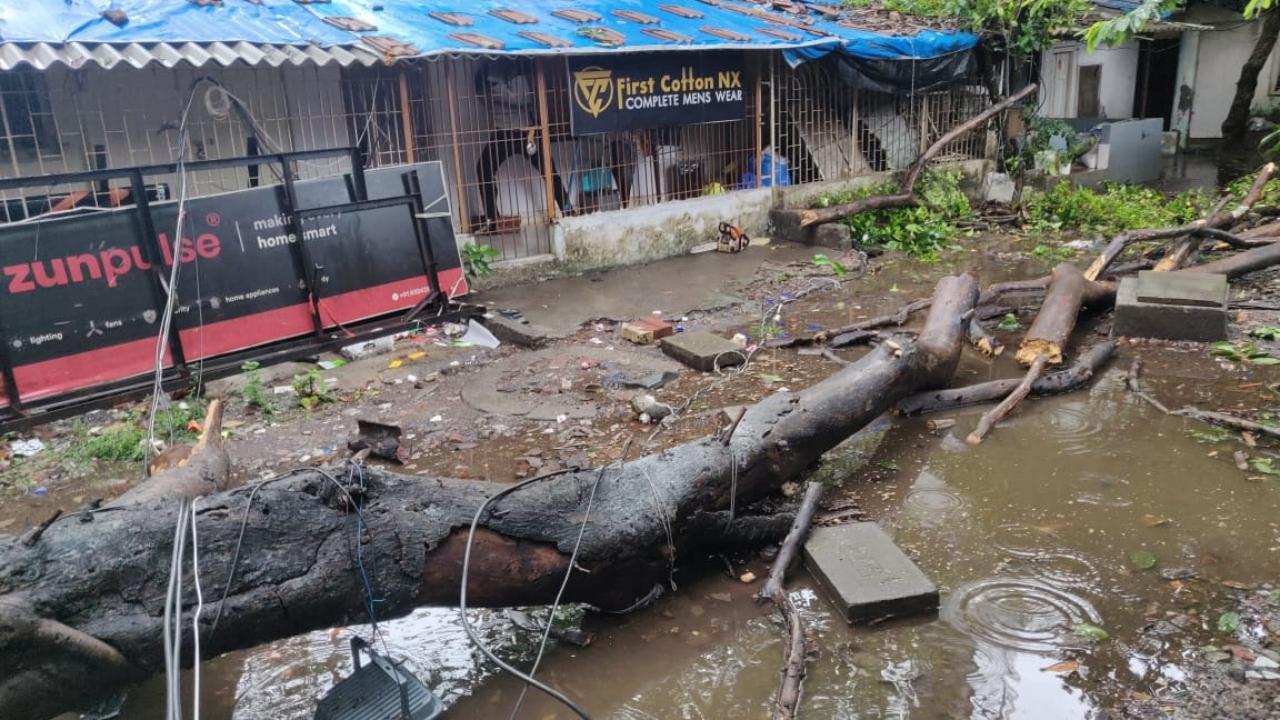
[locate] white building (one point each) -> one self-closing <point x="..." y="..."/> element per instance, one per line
<point x="1182" y="71"/>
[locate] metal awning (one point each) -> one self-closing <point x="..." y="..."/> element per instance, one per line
<point x="42" y="56"/>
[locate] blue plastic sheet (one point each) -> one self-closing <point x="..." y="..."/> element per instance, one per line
<point x="286" y="22"/>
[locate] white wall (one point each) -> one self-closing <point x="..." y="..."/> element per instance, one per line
<point x="1060" y="75"/>
<point x="1220" y="54"/>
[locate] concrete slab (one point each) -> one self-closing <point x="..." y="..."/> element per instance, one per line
<point x="1172" y="306"/>
<point x="522" y="334"/>
<point x="702" y="350"/>
<point x="866" y="575"/>
<point x="1200" y="289"/>
<point x="676" y="286"/>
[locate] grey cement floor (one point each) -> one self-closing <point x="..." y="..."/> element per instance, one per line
<point x="675" y="286"/>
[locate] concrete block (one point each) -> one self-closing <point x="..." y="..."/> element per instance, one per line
<point x="522" y="334"/>
<point x="1172" y="306"/>
<point x="837" y="236"/>
<point x="702" y="350"/>
<point x="866" y="575"/>
<point x="646" y="330"/>
<point x="786" y="228"/>
<point x="998" y="188"/>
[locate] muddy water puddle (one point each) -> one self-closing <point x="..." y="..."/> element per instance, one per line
<point x="1034" y="539"/>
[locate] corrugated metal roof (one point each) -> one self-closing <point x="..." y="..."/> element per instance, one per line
<point x="41" y="33"/>
<point x="41" y="56"/>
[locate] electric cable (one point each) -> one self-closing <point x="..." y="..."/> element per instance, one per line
<point x="195" y="619"/>
<point x="573" y="558"/>
<point x="462" y="599"/>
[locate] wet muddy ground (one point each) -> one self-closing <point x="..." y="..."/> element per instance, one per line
<point x="1040" y="538"/>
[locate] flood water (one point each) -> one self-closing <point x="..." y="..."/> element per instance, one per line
<point x="1027" y="535"/>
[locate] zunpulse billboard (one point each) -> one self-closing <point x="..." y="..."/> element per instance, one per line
<point x="612" y="93"/>
<point x="79" y="304"/>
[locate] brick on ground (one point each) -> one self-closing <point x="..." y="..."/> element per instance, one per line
<point x="646" y="330"/>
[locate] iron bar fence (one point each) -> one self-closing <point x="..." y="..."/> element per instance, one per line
<point x="512" y="163"/>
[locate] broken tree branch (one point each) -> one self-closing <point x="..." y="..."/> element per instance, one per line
<point x="1085" y="367"/>
<point x="291" y="540"/>
<point x="906" y="191"/>
<point x="998" y="413"/>
<point x="1230" y="421"/>
<point x="1218" y="220"/>
<point x="1052" y="327"/>
<point x="788" y="697"/>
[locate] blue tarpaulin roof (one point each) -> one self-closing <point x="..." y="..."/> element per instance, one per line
<point x="397" y="29"/>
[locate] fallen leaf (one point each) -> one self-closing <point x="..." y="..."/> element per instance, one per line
<point x="1154" y="520"/>
<point x="1249" y="439"/>
<point x="1142" y="559"/>
<point x="1090" y="632"/>
<point x="1237" y="585"/>
<point x="1139" y="696"/>
<point x="1228" y="622"/>
<point x="747" y="577"/>
<point x="1065" y="667"/>
<point x="1243" y="653"/>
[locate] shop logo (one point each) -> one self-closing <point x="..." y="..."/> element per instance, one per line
<point x="593" y="89"/>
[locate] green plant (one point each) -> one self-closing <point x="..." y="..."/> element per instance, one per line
<point x="1026" y="26"/>
<point x="1211" y="435"/>
<point x="117" y="443"/>
<point x="1243" y="352"/>
<point x="824" y="261"/>
<point x="1008" y="323"/>
<point x="174" y="421"/>
<point x="478" y="259"/>
<point x="921" y="231"/>
<point x="1112" y="209"/>
<point x="1266" y="332"/>
<point x="1053" y="252"/>
<point x="766" y="330"/>
<point x="1265" y="466"/>
<point x="255" y="390"/>
<point x="310" y="388"/>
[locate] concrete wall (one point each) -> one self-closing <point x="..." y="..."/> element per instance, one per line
<point x="623" y="237"/>
<point x="1061" y="70"/>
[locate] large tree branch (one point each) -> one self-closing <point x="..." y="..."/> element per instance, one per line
<point x="296" y="571"/>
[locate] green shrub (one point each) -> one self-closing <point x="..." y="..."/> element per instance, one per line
<point x="920" y="231"/>
<point x="1114" y="208"/>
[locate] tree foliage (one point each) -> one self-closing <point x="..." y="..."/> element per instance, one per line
<point x="1027" y="26"/>
<point x="1116" y="30"/>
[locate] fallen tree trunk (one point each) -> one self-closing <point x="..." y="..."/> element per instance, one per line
<point x="1085" y="367"/>
<point x="1052" y="327"/>
<point x="906" y="191"/>
<point x="278" y="559"/>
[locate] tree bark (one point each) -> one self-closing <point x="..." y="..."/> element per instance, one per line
<point x="1242" y="263"/>
<point x="1052" y="327"/>
<point x="104" y="581"/>
<point x="1237" y="122"/>
<point x="788" y="697"/>
<point x="1088" y="364"/>
<point x="1006" y="406"/>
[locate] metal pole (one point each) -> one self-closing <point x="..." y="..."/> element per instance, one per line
<point x="298" y="247"/>
<point x="150" y="247"/>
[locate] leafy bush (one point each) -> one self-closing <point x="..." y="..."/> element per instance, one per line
<point x="920" y="231"/>
<point x="477" y="260"/>
<point x="1114" y="208"/>
<point x="255" y="390"/>
<point x="310" y="388"/>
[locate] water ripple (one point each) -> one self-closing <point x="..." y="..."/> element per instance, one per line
<point x="1072" y="425"/>
<point x="1018" y="613"/>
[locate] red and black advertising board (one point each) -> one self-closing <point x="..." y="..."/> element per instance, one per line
<point x="78" y="299"/>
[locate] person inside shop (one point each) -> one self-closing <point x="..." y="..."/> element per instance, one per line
<point x="512" y="104"/>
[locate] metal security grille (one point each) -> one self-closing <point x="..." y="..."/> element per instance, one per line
<point x="829" y="131"/>
<point x="499" y="125"/>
